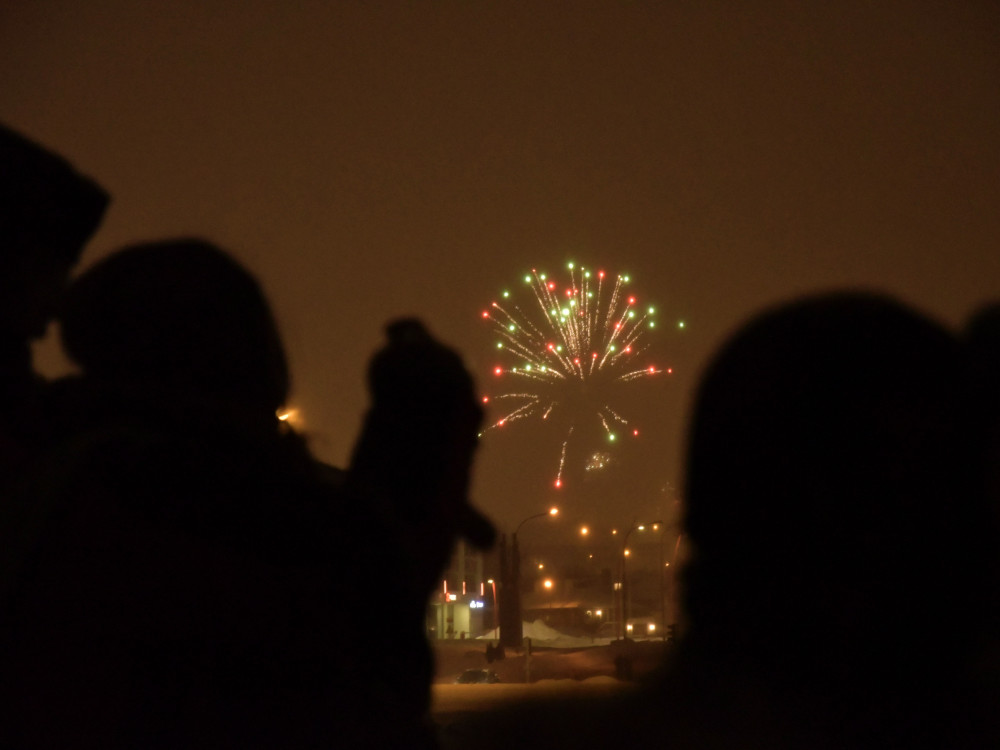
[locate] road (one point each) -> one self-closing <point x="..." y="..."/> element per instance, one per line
<point x="457" y="709"/>
<point x="452" y="699"/>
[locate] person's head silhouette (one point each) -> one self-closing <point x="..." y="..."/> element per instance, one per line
<point x="825" y="502"/>
<point x="179" y="316"/>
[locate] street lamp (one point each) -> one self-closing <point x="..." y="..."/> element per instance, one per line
<point x="553" y="511"/>
<point x="656" y="526"/>
<point x="548" y="584"/>
<point x="496" y="609"/>
<point x="623" y="592"/>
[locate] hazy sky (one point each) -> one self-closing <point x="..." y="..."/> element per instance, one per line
<point x="375" y="159"/>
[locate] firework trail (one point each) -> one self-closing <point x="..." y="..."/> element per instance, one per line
<point x="567" y="349"/>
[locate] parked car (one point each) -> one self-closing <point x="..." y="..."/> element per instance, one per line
<point x="477" y="677"/>
<point x="642" y="628"/>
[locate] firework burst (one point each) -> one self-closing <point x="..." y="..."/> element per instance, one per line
<point x="567" y="350"/>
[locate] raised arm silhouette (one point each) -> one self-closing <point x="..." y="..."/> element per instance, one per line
<point x="48" y="211"/>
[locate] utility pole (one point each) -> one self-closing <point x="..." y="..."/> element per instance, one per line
<point x="510" y="594"/>
<point x="511" y="630"/>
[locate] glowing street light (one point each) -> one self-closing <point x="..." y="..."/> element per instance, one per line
<point x="289" y="416"/>
<point x="552" y="512"/>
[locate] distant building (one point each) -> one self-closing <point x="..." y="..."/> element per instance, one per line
<point x="464" y="606"/>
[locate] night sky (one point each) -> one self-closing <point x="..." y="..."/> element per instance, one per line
<point x="369" y="160"/>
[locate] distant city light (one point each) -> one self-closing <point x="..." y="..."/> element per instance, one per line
<point x="289" y="416"/>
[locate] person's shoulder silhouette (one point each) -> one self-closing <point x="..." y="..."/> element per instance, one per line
<point x="982" y="346"/>
<point x="982" y="350"/>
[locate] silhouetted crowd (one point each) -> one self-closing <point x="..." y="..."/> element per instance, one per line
<point x="178" y="571"/>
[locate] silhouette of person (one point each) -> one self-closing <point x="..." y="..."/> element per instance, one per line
<point x="836" y="552"/>
<point x="185" y="588"/>
<point x="982" y="348"/>
<point x="982" y="339"/>
<point x="835" y="542"/>
<point x="409" y="477"/>
<point x="48" y="211"/>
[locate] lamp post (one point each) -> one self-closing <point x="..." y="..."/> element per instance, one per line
<point x="623" y="592"/>
<point x="623" y="628"/>
<point x="659" y="526"/>
<point x="496" y="609"/>
<point x="511" y="631"/>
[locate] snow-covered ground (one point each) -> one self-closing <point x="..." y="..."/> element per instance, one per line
<point x="543" y="635"/>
